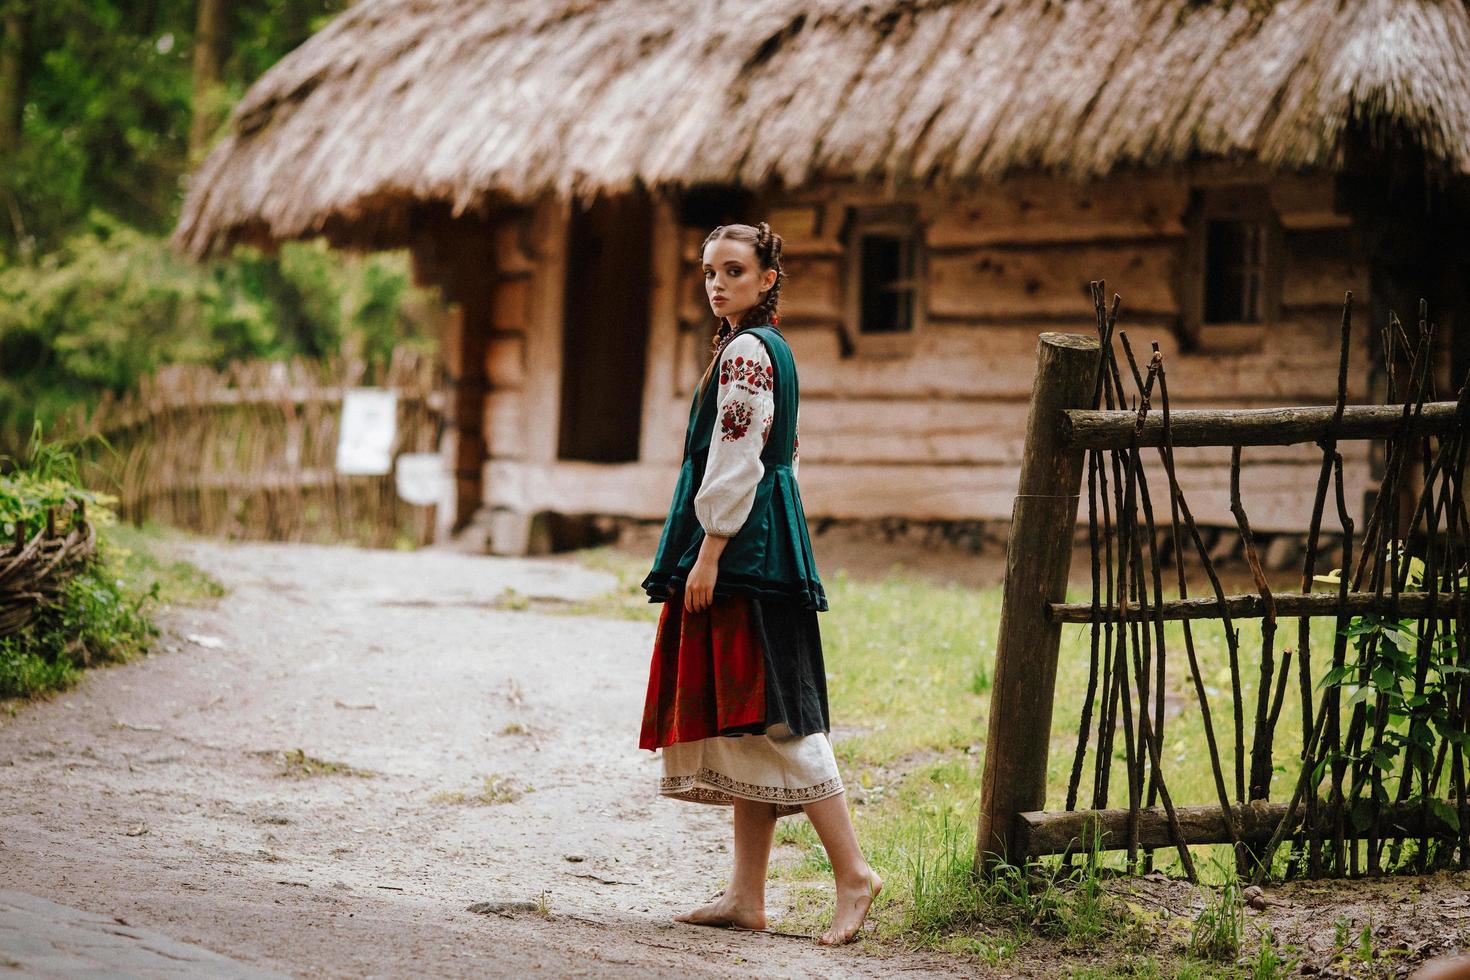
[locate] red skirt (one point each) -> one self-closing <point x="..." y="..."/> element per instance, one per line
<point x="708" y="673"/>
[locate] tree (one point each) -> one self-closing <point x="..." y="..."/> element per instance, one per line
<point x="210" y="33"/>
<point x="13" y="57"/>
<point x="15" y="42"/>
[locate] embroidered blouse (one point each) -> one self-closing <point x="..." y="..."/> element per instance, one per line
<point x="743" y="416"/>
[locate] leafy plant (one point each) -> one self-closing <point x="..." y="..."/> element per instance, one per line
<point x="95" y="616"/>
<point x="1342" y="931"/>
<point x="95" y="619"/>
<point x="1408" y="700"/>
<point x="45" y="476"/>
<point x="1217" y="928"/>
<point x="1365" y="944"/>
<point x="1269" y="962"/>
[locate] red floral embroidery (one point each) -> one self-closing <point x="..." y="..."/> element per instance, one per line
<point x="765" y="428"/>
<point x="735" y="422"/>
<point x="747" y="373"/>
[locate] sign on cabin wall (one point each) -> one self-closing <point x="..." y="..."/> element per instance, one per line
<point x="421" y="478"/>
<point x="365" y="440"/>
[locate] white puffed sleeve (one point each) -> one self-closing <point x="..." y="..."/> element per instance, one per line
<point x="742" y="421"/>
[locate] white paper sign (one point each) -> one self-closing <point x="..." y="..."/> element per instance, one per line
<point x="365" y="440"/>
<point x="421" y="478"/>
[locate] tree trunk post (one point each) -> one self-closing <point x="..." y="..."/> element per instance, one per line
<point x="211" y="32"/>
<point x="1038" y="557"/>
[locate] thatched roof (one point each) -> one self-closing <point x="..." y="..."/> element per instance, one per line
<point x="398" y="102"/>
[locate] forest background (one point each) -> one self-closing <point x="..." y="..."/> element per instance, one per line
<point x="105" y="108"/>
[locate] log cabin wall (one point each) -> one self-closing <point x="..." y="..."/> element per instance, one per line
<point x="928" y="426"/>
<point x="931" y="428"/>
<point x="532" y="500"/>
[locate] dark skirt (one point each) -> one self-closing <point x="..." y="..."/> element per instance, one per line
<point x="741" y="666"/>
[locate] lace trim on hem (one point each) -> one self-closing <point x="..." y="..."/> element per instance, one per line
<point x="718" y="788"/>
<point x="701" y="795"/>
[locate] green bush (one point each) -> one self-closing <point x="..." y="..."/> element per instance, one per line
<point x="96" y="620"/>
<point x="47" y="477"/>
<point x="115" y="303"/>
<point x="95" y="617"/>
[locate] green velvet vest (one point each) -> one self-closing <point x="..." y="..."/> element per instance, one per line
<point x="771" y="555"/>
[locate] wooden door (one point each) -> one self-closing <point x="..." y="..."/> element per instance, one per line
<point x="609" y="280"/>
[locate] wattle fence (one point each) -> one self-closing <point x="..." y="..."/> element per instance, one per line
<point x="1378" y="780"/>
<point x="35" y="567"/>
<point x="250" y="452"/>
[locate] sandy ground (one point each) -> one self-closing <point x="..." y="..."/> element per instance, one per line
<point x="153" y="791"/>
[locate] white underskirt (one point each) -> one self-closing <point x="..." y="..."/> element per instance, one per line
<point x="787" y="770"/>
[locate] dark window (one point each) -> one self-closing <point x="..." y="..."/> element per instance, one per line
<point x="887" y="285"/>
<point x="1230" y="274"/>
<point x="885" y="270"/>
<point x="1234" y="271"/>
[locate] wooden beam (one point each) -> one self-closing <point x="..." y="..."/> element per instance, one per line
<point x="458" y="256"/>
<point x="547" y="233"/>
<point x="1038" y="833"/>
<point x="658" y="442"/>
<point x="1088" y="429"/>
<point x="1038" y="557"/>
<point x="1250" y="606"/>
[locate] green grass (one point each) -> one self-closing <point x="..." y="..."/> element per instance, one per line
<point x="909" y="669"/>
<point x="142" y="552"/>
<point x="626" y="600"/>
<point x="1220" y="925"/>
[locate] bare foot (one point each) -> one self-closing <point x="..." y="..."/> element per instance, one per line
<point x="726" y="911"/>
<point x="852" y="908"/>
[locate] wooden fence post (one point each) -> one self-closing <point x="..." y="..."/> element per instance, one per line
<point x="1038" y="557"/>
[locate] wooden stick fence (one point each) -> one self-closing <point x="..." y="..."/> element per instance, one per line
<point x="1402" y="604"/>
<point x="250" y="451"/>
<point x="33" y="570"/>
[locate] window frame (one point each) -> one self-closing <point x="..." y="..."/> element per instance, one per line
<point x="898" y="220"/>
<point x="1244" y="203"/>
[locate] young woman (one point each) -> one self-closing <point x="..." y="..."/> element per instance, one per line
<point x="737" y="693"/>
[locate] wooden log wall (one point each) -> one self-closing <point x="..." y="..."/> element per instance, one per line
<point x="933" y="430"/>
<point x="523" y="372"/>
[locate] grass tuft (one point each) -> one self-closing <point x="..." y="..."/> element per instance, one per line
<point x="1218" y="927"/>
<point x="296" y="764"/>
<point x="495" y="788"/>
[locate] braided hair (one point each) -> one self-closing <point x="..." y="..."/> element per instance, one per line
<point x="767" y="245"/>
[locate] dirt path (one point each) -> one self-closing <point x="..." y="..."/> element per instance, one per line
<point x="153" y="790"/>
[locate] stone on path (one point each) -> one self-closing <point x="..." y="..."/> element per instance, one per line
<point x="41" y="938"/>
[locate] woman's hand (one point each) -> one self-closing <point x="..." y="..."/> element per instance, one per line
<point x="699" y="591"/>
